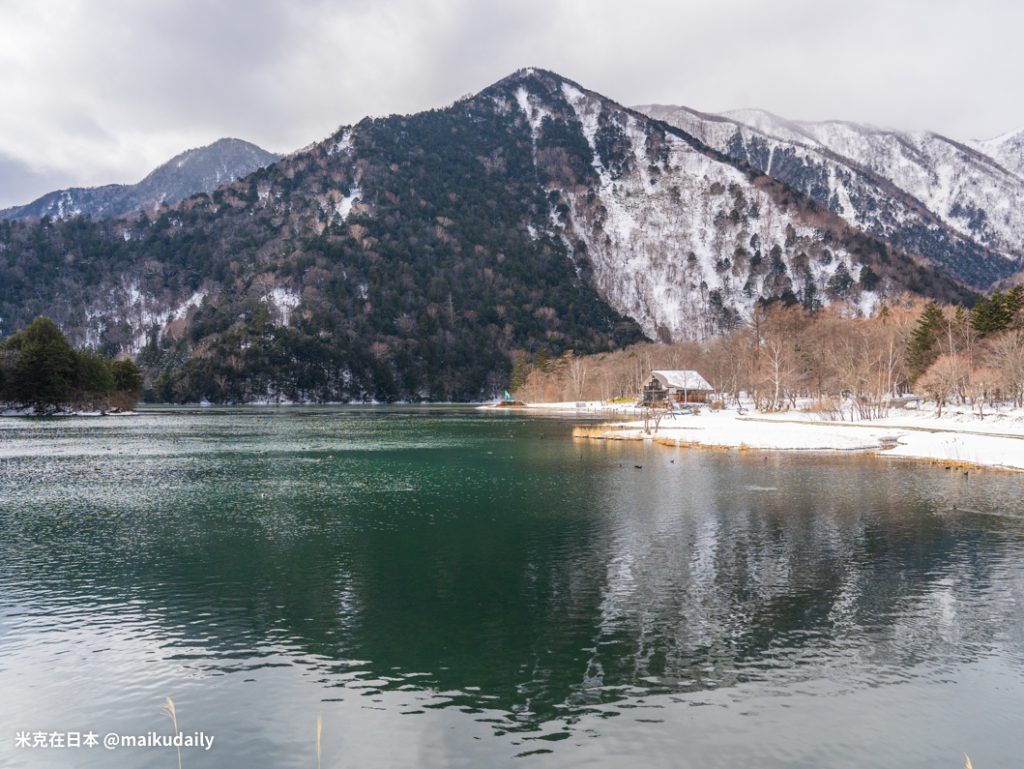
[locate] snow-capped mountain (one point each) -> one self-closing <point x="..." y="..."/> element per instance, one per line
<point x="922" y="191"/>
<point x="963" y="187"/>
<point x="678" y="239"/>
<point x="196" y="170"/>
<point x="1007" y="150"/>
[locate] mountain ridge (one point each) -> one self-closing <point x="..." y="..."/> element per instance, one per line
<point x="1007" y="149"/>
<point x="420" y="256"/>
<point x="196" y="170"/>
<point x="950" y="210"/>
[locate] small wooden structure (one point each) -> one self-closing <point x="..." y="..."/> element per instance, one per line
<point x="681" y="386"/>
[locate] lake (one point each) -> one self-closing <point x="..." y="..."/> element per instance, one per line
<point x="452" y="588"/>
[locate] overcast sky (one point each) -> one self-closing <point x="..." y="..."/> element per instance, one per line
<point x="103" y="91"/>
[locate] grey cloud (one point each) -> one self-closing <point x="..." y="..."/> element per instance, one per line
<point x="23" y="183"/>
<point x="104" y="92"/>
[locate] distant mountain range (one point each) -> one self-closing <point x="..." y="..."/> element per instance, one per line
<point x="197" y="170"/>
<point x="959" y="206"/>
<point x="419" y="256"/>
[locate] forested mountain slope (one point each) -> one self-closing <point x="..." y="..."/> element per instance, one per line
<point x="414" y="256"/>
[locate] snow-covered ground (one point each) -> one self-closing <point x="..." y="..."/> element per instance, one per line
<point x="959" y="437"/>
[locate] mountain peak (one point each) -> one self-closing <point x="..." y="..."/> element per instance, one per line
<point x="897" y="185"/>
<point x="201" y="169"/>
<point x="534" y="79"/>
<point x="530" y="73"/>
<point x="221" y="162"/>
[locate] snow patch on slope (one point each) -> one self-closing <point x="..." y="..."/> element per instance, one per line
<point x="343" y="145"/>
<point x="344" y="206"/>
<point x="771" y="124"/>
<point x="142" y="313"/>
<point x="535" y="113"/>
<point x="284" y="300"/>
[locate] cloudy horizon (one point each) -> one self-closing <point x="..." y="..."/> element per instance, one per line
<point x="95" y="96"/>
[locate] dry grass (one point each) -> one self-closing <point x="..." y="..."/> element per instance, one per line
<point x="828" y="407"/>
<point x="171" y="711"/>
<point x="319" y="732"/>
<point x="606" y="432"/>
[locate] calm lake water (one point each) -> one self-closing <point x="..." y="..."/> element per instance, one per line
<point x="451" y="588"/>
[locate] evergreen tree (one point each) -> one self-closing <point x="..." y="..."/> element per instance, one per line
<point x="869" y="279"/>
<point x="924" y="345"/>
<point x="39" y="368"/>
<point x="542" y="360"/>
<point x="999" y="312"/>
<point x="1013" y="307"/>
<point x="45" y="371"/>
<point x="990" y="315"/>
<point x="93" y="374"/>
<point x="127" y="378"/>
<point x="520" y="371"/>
<point x="841" y="281"/>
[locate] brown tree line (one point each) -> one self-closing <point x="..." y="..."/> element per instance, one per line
<point x="833" y="360"/>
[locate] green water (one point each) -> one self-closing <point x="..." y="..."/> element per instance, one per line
<point x="452" y="588"/>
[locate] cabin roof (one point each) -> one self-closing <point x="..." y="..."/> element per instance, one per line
<point x="686" y="379"/>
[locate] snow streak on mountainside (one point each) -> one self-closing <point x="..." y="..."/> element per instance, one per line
<point x="964" y="188"/>
<point x="921" y="191"/>
<point x="682" y="242"/>
<point x="193" y="171"/>
<point x="678" y="237"/>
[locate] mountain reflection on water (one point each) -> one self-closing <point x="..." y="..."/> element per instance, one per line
<point x="418" y="560"/>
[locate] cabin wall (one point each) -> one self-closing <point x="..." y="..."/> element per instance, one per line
<point x="689" y="396"/>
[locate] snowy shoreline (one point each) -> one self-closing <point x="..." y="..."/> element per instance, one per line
<point x="959" y="438"/>
<point x="31" y="413"/>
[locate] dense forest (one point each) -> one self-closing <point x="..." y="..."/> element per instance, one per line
<point x="41" y="371"/>
<point x="425" y="298"/>
<point x="841" y="362"/>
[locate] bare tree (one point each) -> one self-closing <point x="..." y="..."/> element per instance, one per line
<point x="982" y="387"/>
<point x="847" y="363"/>
<point x="1006" y="355"/>
<point x="778" y="350"/>
<point x="946" y="377"/>
<point x="577" y="374"/>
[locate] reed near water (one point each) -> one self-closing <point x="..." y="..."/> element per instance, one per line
<point x="319" y="732"/>
<point x="173" y="713"/>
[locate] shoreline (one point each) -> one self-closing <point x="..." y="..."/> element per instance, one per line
<point x="32" y="414"/>
<point x="956" y="440"/>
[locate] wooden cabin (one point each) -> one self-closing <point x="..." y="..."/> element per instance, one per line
<point x="683" y="386"/>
